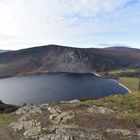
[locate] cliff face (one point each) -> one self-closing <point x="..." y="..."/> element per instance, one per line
<point x="54" y="58"/>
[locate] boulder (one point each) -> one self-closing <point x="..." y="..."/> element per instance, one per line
<point x="123" y="132"/>
<point x="29" y="110"/>
<point x="33" y="132"/>
<point x="54" y="110"/>
<point x="63" y="117"/>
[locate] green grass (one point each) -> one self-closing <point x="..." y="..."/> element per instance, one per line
<point x="127" y="106"/>
<point x="6" y="119"/>
<point x="133" y="117"/>
<point x="122" y="71"/>
<point x="121" y="102"/>
<point x="131" y="83"/>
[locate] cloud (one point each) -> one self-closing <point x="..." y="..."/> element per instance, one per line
<point x="61" y="21"/>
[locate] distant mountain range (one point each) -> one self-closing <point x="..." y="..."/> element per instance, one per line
<point x="122" y="49"/>
<point x="54" y="58"/>
<point x="2" y="51"/>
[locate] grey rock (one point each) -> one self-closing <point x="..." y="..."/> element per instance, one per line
<point x="63" y="117"/>
<point x="61" y="137"/>
<point x="54" y="110"/>
<point x="102" y="110"/>
<point x="16" y="126"/>
<point x="71" y="102"/>
<point x="29" y="110"/>
<point x="124" y="132"/>
<point x="78" y="134"/>
<point x="33" y="132"/>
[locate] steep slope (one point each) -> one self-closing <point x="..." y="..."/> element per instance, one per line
<point x="53" y="58"/>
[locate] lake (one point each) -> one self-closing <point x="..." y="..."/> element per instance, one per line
<point x="46" y="88"/>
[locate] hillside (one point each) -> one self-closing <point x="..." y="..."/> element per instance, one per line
<point x="5" y="108"/>
<point x="115" y="117"/>
<point x="53" y="58"/>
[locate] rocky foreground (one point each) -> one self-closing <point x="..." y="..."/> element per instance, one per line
<point x="110" y="118"/>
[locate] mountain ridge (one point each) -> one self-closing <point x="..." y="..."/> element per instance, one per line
<point x="3" y="51"/>
<point x="55" y="58"/>
<point x="121" y="48"/>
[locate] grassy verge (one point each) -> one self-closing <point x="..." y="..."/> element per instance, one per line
<point x="131" y="83"/>
<point x="6" y="119"/>
<point x="121" y="71"/>
<point x="127" y="106"/>
<point x="119" y="102"/>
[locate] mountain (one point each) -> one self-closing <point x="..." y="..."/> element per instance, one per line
<point x="122" y="49"/>
<point x="54" y="58"/>
<point x="2" y="51"/>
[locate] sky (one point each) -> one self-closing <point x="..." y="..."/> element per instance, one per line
<point x="77" y="23"/>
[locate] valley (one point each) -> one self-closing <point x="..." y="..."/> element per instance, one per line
<point x="69" y="69"/>
<point x="65" y="93"/>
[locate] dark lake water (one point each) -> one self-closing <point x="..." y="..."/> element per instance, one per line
<point x="56" y="87"/>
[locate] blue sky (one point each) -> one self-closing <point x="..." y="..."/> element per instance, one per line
<point x="78" y="23"/>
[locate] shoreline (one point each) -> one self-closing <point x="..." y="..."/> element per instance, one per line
<point x="129" y="91"/>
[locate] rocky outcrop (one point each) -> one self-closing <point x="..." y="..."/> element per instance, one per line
<point x="75" y="57"/>
<point x="71" y="121"/>
<point x="63" y="117"/>
<point x="28" y="110"/>
<point x="102" y="110"/>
